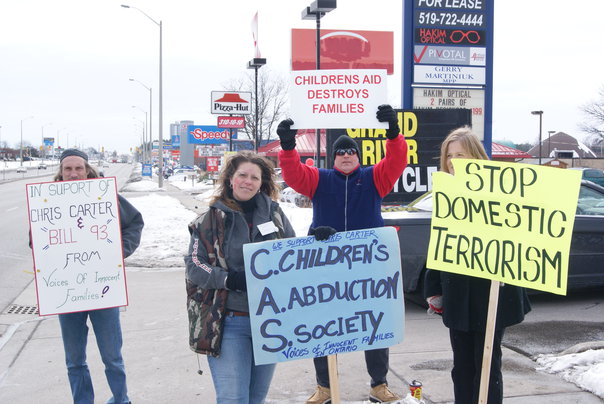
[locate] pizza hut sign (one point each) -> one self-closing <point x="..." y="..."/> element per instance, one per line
<point x="231" y="102"/>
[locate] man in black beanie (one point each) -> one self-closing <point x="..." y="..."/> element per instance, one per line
<point x="347" y="197"/>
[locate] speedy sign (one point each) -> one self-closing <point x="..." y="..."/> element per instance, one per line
<point x="231" y="102"/>
<point x="333" y="99"/>
<point x="207" y="134"/>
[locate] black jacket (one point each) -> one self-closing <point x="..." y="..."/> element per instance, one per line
<point x="465" y="301"/>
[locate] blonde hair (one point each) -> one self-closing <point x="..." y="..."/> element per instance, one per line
<point x="468" y="140"/>
<point x="224" y="191"/>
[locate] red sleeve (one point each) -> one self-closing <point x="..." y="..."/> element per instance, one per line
<point x="300" y="177"/>
<point x="390" y="168"/>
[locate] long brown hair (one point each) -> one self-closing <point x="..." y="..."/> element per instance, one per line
<point x="224" y="191"/>
<point x="468" y="140"/>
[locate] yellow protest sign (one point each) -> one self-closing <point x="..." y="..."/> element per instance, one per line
<point x="507" y="222"/>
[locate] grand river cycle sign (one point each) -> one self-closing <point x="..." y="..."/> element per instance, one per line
<point x="311" y="298"/>
<point x="77" y="245"/>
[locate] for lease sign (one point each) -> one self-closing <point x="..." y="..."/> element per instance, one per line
<point x="335" y="99"/>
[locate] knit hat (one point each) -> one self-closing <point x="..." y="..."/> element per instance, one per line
<point x="345" y="142"/>
<point x="74" y="152"/>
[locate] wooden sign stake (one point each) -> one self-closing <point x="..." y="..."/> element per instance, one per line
<point x="334" y="381"/>
<point x="489" y="333"/>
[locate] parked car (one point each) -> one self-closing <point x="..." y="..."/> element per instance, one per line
<point x="586" y="262"/>
<point x="291" y="196"/>
<point x="21" y="169"/>
<point x="592" y="174"/>
<point x="42" y="166"/>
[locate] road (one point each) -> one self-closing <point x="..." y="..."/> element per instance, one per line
<point x="16" y="269"/>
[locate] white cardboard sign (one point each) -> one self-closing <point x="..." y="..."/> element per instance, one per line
<point x="332" y="99"/>
<point x="77" y="245"/>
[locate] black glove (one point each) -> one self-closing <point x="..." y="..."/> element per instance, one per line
<point x="286" y="135"/>
<point x="236" y="281"/>
<point x="385" y="113"/>
<point x="322" y="232"/>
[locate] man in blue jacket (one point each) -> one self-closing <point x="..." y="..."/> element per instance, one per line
<point x="347" y="197"/>
<point x="106" y="322"/>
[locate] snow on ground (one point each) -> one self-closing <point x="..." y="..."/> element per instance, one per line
<point x="585" y="369"/>
<point x="165" y="241"/>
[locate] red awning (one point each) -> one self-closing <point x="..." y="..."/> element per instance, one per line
<point x="306" y="144"/>
<point x="505" y="152"/>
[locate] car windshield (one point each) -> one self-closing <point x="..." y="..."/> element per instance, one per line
<point x="593" y="174"/>
<point x="591" y="202"/>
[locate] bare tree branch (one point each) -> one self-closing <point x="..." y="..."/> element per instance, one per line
<point x="594" y="125"/>
<point x="272" y="98"/>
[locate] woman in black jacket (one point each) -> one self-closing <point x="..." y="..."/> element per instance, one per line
<point x="463" y="301"/>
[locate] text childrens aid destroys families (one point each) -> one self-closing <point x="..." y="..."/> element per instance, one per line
<point x="506" y="222"/>
<point x="331" y="99"/>
<point x="77" y="245"/>
<point x="310" y="298"/>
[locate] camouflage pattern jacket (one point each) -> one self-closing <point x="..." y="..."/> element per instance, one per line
<point x="216" y="248"/>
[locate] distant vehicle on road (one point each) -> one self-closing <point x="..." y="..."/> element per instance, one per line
<point x="21" y="169"/>
<point x="42" y="166"/>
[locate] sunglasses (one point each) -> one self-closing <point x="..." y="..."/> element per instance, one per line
<point x="350" y="152"/>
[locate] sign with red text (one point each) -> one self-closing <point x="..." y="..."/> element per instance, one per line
<point x="437" y="97"/>
<point x="212" y="163"/>
<point x="331" y="99"/>
<point x="207" y="134"/>
<point x="77" y="245"/>
<point x="230" y="122"/>
<point x="231" y="102"/>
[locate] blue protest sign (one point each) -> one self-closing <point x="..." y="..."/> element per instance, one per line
<point x="311" y="298"/>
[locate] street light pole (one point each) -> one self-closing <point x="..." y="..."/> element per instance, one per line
<point x="540" y="113"/>
<point x="160" y="177"/>
<point x="255" y="64"/>
<point x="315" y="11"/>
<point x="150" y="132"/>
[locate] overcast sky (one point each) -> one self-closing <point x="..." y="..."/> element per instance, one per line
<point x="67" y="62"/>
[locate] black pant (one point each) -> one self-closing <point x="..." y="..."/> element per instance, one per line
<point x="467" y="365"/>
<point x="375" y="359"/>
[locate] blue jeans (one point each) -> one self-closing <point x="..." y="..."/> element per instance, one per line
<point x="236" y="379"/>
<point x="108" y="332"/>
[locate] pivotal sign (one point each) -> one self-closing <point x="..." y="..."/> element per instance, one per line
<point x="231" y="102"/>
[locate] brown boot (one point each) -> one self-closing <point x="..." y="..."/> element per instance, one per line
<point x="382" y="394"/>
<point x="322" y="396"/>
